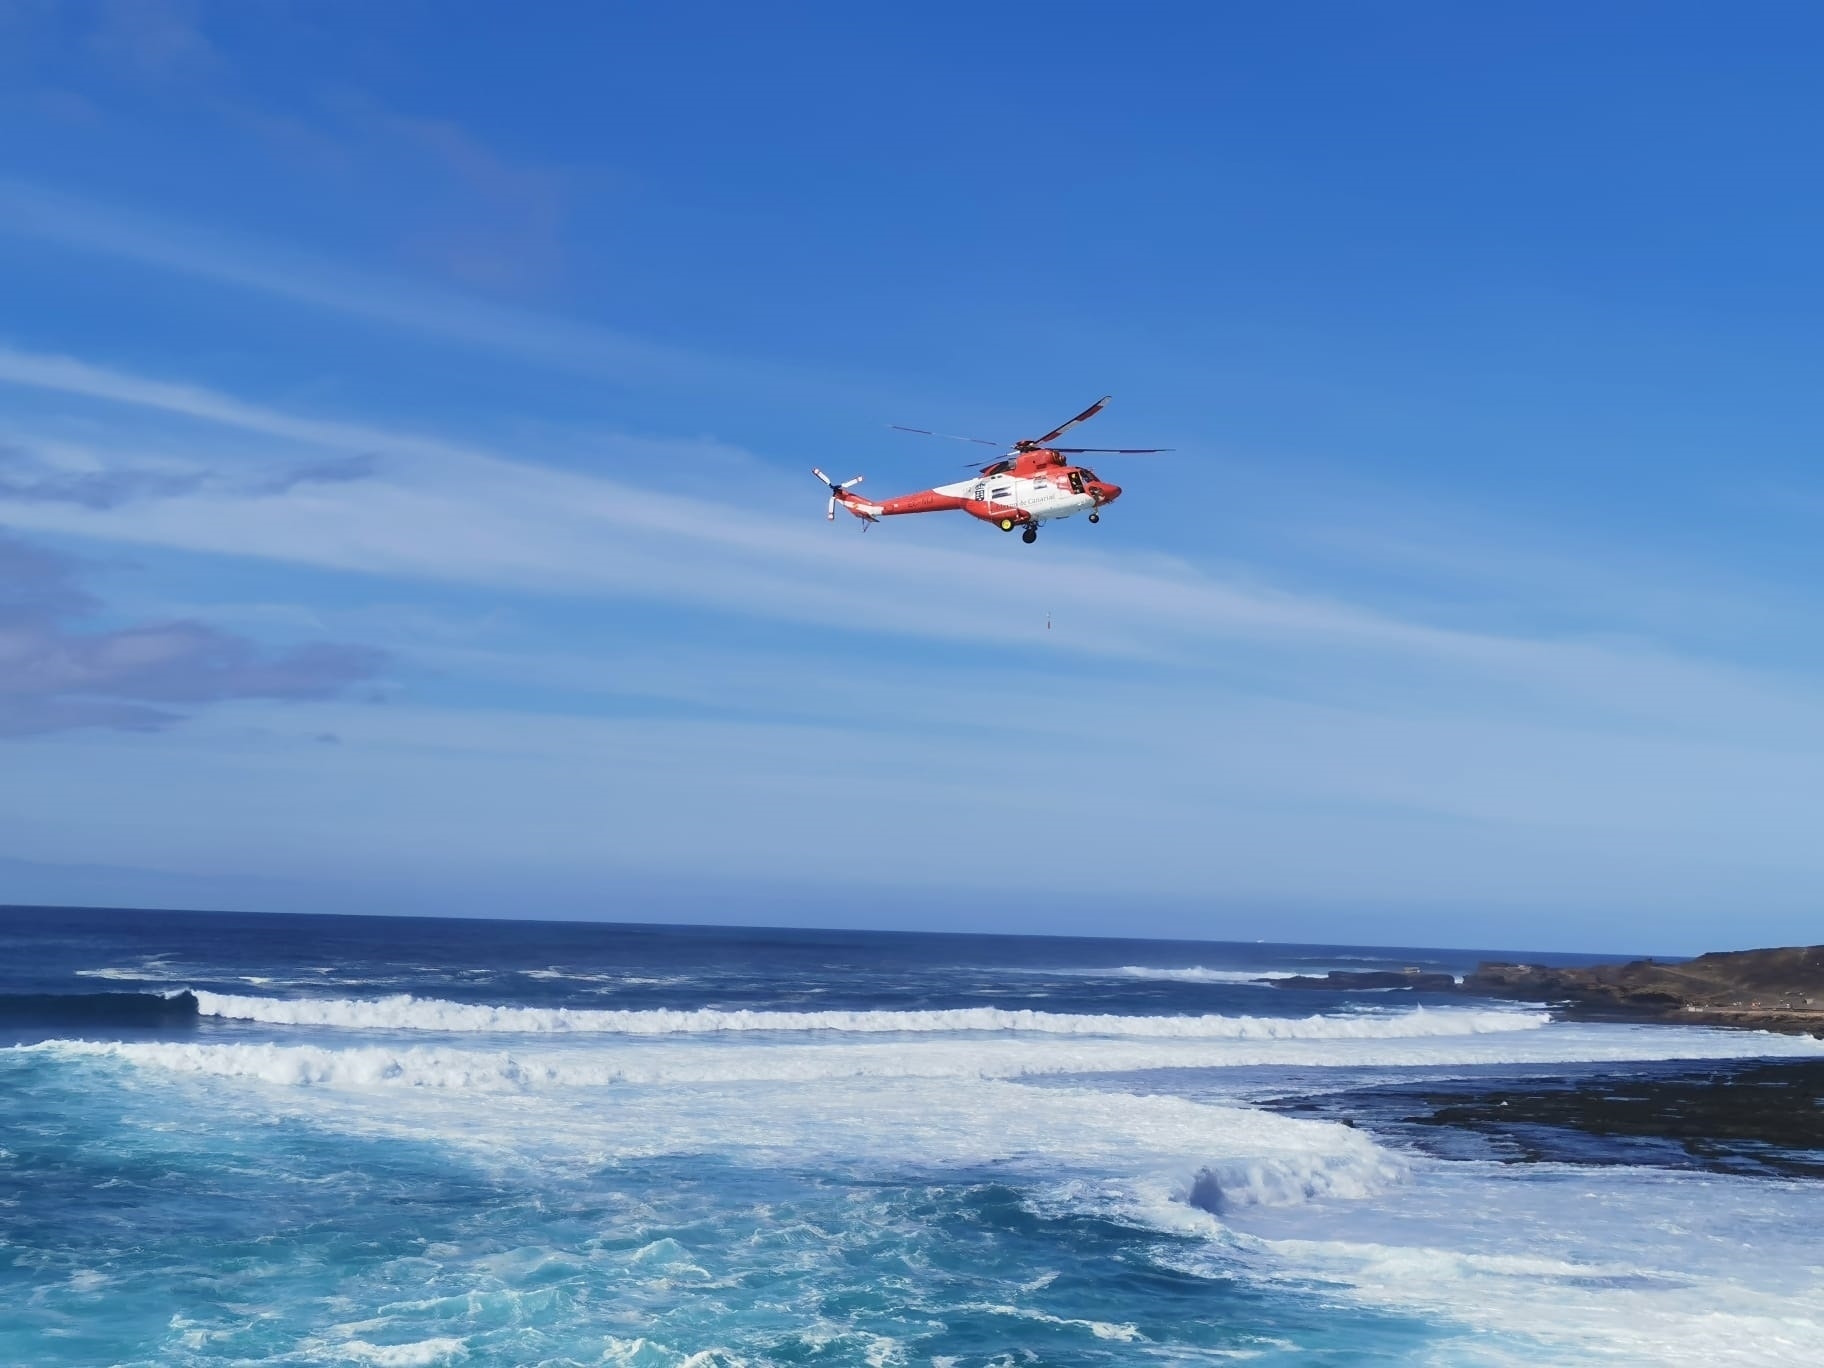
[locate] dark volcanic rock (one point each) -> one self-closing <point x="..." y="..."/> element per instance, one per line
<point x="1754" y="1119"/>
<point x="1343" y="979"/>
<point x="1780" y="990"/>
<point x="1768" y="1118"/>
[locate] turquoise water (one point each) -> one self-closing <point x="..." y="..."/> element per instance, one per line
<point x="487" y="1143"/>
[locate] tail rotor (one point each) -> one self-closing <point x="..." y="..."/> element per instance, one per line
<point x="835" y="489"/>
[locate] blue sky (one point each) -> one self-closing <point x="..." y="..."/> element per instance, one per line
<point x="406" y="413"/>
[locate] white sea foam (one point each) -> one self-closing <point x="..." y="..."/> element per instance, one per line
<point x="919" y="1102"/>
<point x="540" y="1110"/>
<point x="407" y="1013"/>
<point x="649" y="1061"/>
<point x="1102" y="1330"/>
<point x="585" y="976"/>
<point x="1541" y="1263"/>
<point x="645" y="1353"/>
<point x="1196" y="973"/>
<point x="422" y="1354"/>
<point x="1641" y="1266"/>
<point x="1565" y="1265"/>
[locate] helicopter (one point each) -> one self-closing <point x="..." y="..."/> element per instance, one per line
<point x="1032" y="482"/>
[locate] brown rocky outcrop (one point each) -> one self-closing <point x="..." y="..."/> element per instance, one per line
<point x="1776" y="990"/>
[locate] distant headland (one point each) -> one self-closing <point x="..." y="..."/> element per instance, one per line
<point x="1769" y="990"/>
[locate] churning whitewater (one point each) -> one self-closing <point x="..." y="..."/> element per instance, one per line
<point x="319" y="1140"/>
<point x="404" y="1012"/>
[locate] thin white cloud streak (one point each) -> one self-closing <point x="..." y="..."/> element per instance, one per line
<point x="65" y="375"/>
<point x="445" y="512"/>
<point x="35" y="212"/>
<point x="380" y="535"/>
<point x="31" y="212"/>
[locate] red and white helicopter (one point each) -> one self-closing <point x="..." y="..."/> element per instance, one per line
<point x="1032" y="483"/>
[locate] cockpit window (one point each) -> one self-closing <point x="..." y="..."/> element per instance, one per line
<point x="1076" y="481"/>
<point x="1090" y="475"/>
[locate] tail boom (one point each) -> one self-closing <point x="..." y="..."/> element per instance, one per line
<point x="954" y="498"/>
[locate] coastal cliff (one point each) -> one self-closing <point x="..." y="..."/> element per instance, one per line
<point x="1774" y="990"/>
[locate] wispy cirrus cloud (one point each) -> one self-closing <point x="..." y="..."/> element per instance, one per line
<point x="455" y="203"/>
<point x="1248" y="727"/>
<point x="461" y="513"/>
<point x="24" y="479"/>
<point x="441" y="511"/>
<point x="443" y="315"/>
<point x="54" y="677"/>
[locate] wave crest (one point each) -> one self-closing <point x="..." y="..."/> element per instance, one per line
<point x="408" y="1013"/>
<point x="896" y="1104"/>
<point x="1196" y="973"/>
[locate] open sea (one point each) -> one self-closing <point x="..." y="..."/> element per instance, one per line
<point x="421" y="1142"/>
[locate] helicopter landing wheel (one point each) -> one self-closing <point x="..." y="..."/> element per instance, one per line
<point x="1006" y="524"/>
<point x="1030" y="535"/>
<point x="1095" y="517"/>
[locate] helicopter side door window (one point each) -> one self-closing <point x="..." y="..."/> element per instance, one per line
<point x="1076" y="482"/>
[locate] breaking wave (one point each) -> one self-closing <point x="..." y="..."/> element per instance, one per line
<point x="1225" y="1185"/>
<point x="1196" y="973"/>
<point x="407" y="1013"/>
<point x="897" y="1105"/>
<point x="540" y="1068"/>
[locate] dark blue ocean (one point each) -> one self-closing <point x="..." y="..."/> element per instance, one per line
<point x="328" y="1140"/>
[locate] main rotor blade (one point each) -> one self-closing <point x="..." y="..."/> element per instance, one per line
<point x="1060" y="430"/>
<point x="947" y="436"/>
<point x="1111" y="451"/>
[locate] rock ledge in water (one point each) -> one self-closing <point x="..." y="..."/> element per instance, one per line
<point x="1775" y="990"/>
<point x="1341" y="980"/>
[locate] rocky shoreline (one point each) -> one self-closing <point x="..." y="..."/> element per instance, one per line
<point x="1767" y="990"/>
<point x="1742" y="1117"/>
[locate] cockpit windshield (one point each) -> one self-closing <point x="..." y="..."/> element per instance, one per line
<point x="1088" y="474"/>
